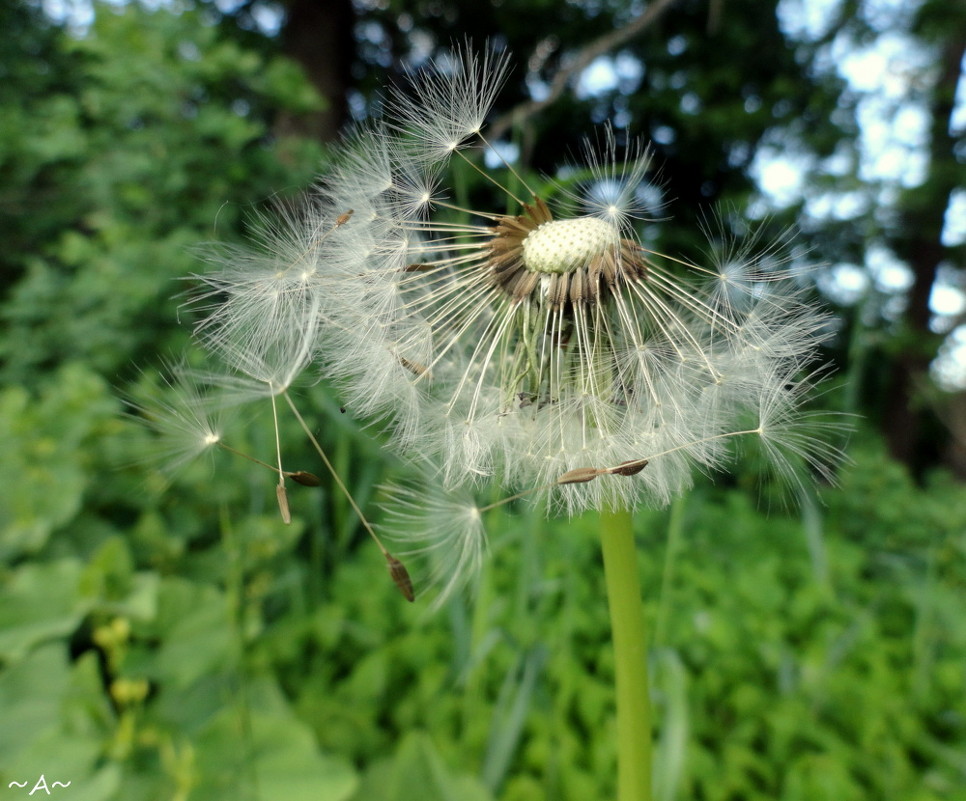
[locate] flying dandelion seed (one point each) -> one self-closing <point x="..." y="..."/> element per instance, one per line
<point x="187" y="424"/>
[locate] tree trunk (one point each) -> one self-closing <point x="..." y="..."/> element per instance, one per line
<point x="918" y="241"/>
<point x="320" y="37"/>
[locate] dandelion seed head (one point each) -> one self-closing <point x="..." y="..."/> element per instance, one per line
<point x="552" y="340"/>
<point x="519" y="343"/>
<point x="562" y="246"/>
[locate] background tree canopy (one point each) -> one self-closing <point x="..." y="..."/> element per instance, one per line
<point x="165" y="636"/>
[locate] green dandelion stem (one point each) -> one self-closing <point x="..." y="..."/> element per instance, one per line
<point x="629" y="634"/>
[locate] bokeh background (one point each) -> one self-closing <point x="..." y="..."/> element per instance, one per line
<point x="167" y="637"/>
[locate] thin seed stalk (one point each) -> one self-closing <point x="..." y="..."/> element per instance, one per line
<point x="629" y="635"/>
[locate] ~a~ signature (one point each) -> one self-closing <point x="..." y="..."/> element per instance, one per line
<point x="40" y="784"/>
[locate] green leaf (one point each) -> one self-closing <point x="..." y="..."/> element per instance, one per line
<point x="267" y="751"/>
<point x="41" y="603"/>
<point x="55" y="724"/>
<point x="416" y="771"/>
<point x="49" y="441"/>
<point x="196" y="628"/>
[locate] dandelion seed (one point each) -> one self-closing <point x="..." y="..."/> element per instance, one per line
<point x="442" y="530"/>
<point x="455" y="94"/>
<point x="580" y="475"/>
<point x="304" y="478"/>
<point x="261" y="294"/>
<point x="187" y="421"/>
<point x="283" y="508"/>
<point x="400" y="576"/>
<point x="629" y="468"/>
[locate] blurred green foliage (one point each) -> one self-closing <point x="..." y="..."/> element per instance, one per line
<point x="166" y="637"/>
<point x="166" y="664"/>
<point x="154" y="130"/>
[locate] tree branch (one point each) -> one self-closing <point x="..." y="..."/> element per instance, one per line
<point x="575" y="65"/>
